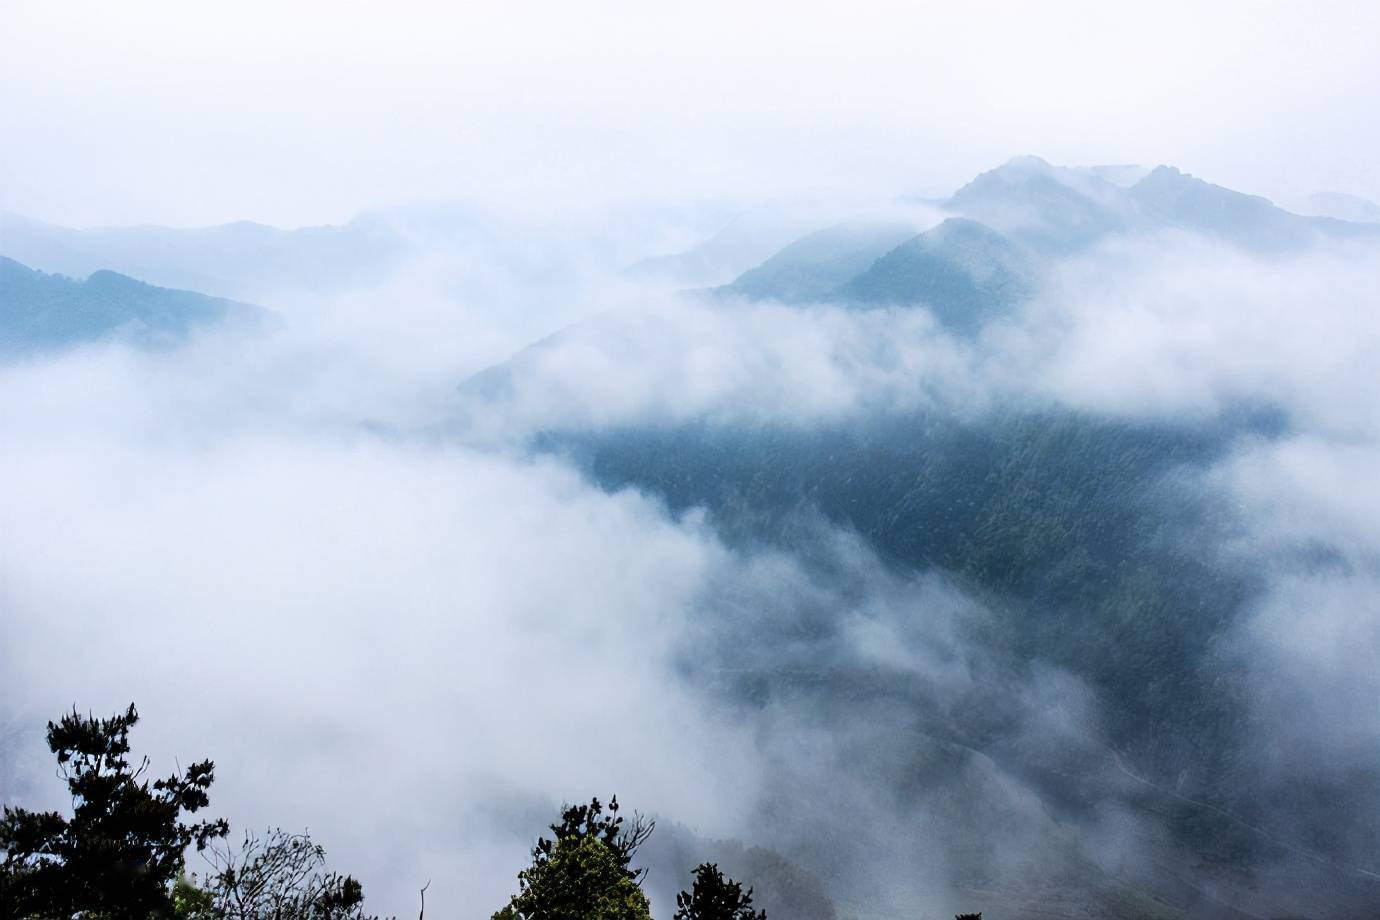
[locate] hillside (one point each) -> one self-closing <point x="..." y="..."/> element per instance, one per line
<point x="815" y="266"/>
<point x="42" y="312"/>
<point x="962" y="271"/>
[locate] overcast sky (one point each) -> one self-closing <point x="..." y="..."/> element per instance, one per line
<point x="307" y="112"/>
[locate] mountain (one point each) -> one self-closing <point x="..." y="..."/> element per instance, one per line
<point x="963" y="272"/>
<point x="1059" y="210"/>
<point x="1046" y="207"/>
<point x="1124" y="175"/>
<point x="42" y="312"/>
<point x="1078" y="535"/>
<point x="1170" y="198"/>
<point x="1088" y="541"/>
<point x="742" y="242"/>
<point x="814" y="267"/>
<point x="1342" y="206"/>
<point x="237" y="260"/>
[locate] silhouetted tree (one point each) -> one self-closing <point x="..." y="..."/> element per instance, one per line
<point x="279" y="876"/>
<point x="714" y="897"/>
<point x="977" y="916"/>
<point x="122" y="849"/>
<point x="584" y="871"/>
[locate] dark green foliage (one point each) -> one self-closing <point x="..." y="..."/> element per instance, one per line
<point x="191" y="902"/>
<point x="120" y="852"/>
<point x="714" y="897"/>
<point x="1084" y="536"/>
<point x="584" y="870"/>
<point x="578" y="878"/>
<point x="783" y="887"/>
<point x="606" y="825"/>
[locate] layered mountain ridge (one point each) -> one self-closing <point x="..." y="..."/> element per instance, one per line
<point x="41" y="313"/>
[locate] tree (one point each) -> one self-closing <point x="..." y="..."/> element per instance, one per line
<point x="582" y="879"/>
<point x="714" y="897"/>
<point x="120" y="852"/>
<point x="279" y="875"/>
<point x="584" y="870"/>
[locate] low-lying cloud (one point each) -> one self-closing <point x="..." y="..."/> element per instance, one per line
<point x="325" y="556"/>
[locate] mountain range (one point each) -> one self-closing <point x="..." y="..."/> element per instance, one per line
<point x="41" y="313"/>
<point x="1085" y="539"/>
<point x="1011" y="223"/>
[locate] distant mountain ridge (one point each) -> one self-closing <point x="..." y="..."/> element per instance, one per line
<point x="40" y="312"/>
<point x="814" y="267"/>
<point x="1009" y="224"/>
<point x="964" y="272"/>
<point x="1060" y="209"/>
<point x="1168" y="197"/>
<point x="1342" y="206"/>
<point x="236" y="260"/>
<point x="742" y="242"/>
<point x="1050" y="208"/>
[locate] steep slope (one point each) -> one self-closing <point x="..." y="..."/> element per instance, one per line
<point x="1124" y="175"/>
<point x="744" y="241"/>
<point x="1341" y="206"/>
<point x="816" y="266"/>
<point x="1043" y="206"/>
<point x="1170" y="198"/>
<point x="1088" y="541"/>
<point x="41" y="312"/>
<point x="965" y="273"/>
<point x="1060" y="210"/>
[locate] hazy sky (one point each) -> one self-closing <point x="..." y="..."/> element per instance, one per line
<point x="292" y="113"/>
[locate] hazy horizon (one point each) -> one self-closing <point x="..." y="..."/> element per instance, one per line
<point x="152" y="112"/>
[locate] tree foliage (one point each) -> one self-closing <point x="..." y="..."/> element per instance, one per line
<point x="581" y="879"/>
<point x="584" y="870"/>
<point x="122" y="849"/>
<point x="715" y="897"/>
<point x="122" y="854"/>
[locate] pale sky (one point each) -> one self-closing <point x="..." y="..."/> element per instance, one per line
<point x="307" y="112"/>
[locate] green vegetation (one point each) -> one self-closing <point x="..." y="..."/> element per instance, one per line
<point x="581" y="879"/>
<point x="1085" y="537"/>
<point x="122" y="854"/>
<point x="584" y="870"/>
<point x="123" y="848"/>
<point x="714" y="897"/>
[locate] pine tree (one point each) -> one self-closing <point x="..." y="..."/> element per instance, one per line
<point x="120" y="852"/>
<point x="715" y="897"/>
